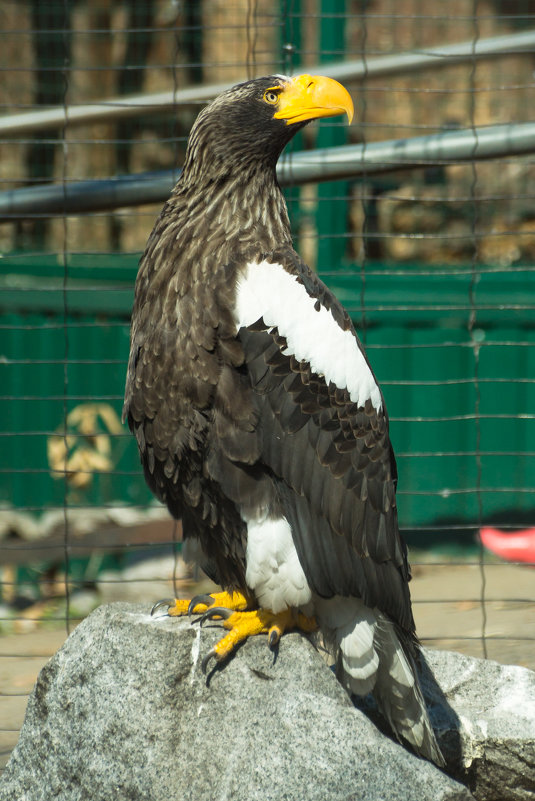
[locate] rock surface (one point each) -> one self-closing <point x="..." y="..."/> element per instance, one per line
<point x="488" y="731"/>
<point x="123" y="712"/>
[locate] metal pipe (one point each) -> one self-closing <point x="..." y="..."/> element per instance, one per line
<point x="358" y="69"/>
<point x="351" y="161"/>
<point x="436" y="57"/>
<point x="81" y="197"/>
<point x="116" y="108"/>
<point x="449" y="147"/>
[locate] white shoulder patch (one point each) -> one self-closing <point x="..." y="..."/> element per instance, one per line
<point x="267" y="290"/>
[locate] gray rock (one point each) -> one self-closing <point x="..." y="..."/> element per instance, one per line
<point x="487" y="727"/>
<point x="123" y="711"/>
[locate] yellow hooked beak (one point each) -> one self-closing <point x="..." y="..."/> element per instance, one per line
<point x="308" y="97"/>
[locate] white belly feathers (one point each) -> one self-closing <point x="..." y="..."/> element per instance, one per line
<point x="273" y="568"/>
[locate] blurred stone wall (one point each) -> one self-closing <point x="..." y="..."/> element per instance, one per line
<point x="444" y="215"/>
<point x="460" y="212"/>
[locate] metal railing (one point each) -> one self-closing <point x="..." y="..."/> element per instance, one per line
<point x="398" y="63"/>
<point x="312" y="166"/>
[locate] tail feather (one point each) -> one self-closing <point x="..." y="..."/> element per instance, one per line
<point x="398" y="692"/>
<point x="373" y="656"/>
<point x="348" y="628"/>
<point x="359" y="660"/>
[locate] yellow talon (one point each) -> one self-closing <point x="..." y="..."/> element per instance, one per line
<point x="242" y="625"/>
<point x="200" y="603"/>
<point x="180" y="607"/>
<point x="231" y="610"/>
<point x="232" y="600"/>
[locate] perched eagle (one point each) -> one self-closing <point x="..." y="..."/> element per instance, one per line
<point x="258" y="418"/>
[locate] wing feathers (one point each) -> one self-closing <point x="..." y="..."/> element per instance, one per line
<point x="318" y="447"/>
<point x="311" y="330"/>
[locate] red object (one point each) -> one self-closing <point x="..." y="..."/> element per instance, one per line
<point x="517" y="546"/>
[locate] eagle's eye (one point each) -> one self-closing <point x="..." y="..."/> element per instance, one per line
<point x="271" y="96"/>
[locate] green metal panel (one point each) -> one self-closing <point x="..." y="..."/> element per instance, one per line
<point x="423" y="419"/>
<point x="332" y="204"/>
<point x="418" y="342"/>
<point x="291" y="48"/>
<point x="464" y="433"/>
<point x="63" y="352"/>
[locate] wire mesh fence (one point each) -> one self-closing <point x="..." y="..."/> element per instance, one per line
<point x="420" y="217"/>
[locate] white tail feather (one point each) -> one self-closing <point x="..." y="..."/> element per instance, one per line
<point x="371" y="658"/>
<point x="349" y="628"/>
<point x="399" y="695"/>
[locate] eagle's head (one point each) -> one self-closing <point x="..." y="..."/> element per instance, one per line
<point x="253" y="121"/>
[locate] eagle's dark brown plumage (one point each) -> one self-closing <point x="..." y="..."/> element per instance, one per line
<point x="258" y="419"/>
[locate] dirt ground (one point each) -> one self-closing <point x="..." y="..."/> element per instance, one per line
<point x="447" y="607"/>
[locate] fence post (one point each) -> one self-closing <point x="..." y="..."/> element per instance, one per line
<point x="332" y="205"/>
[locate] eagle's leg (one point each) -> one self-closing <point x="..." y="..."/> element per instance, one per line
<point x="200" y="603"/>
<point x="242" y="625"/>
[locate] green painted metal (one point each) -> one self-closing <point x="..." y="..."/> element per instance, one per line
<point x="418" y="341"/>
<point x="60" y="351"/>
<point x="291" y="44"/>
<point x="451" y="393"/>
<point x="332" y="197"/>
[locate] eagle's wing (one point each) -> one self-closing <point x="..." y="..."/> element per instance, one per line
<point x="324" y="435"/>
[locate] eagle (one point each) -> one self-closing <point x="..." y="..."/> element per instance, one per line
<point x="259" y="421"/>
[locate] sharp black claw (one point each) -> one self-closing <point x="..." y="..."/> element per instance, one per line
<point x="168" y="602"/>
<point x="207" y="600"/>
<point x="216" y="611"/>
<point x="204" y="664"/>
<point x="274" y="637"/>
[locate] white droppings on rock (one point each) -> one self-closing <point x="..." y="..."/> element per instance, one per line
<point x="195" y="651"/>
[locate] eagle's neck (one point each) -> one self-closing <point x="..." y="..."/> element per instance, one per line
<point x="207" y="233"/>
<point x="237" y="212"/>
